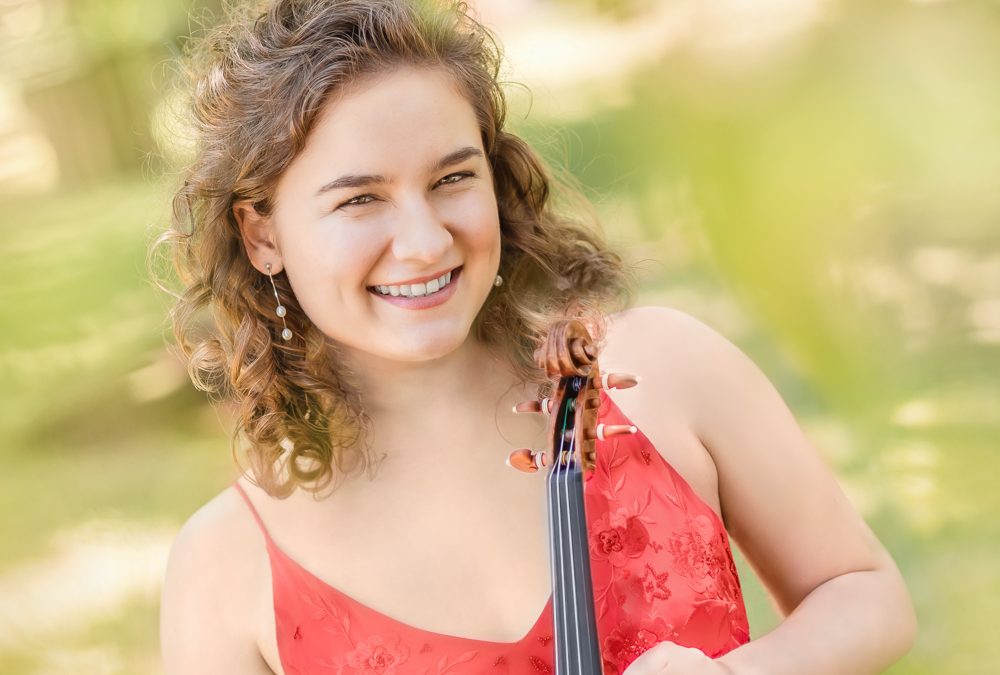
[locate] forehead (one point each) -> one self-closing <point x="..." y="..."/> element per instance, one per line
<point x="395" y="115"/>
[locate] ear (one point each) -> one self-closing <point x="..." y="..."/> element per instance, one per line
<point x="258" y="237"/>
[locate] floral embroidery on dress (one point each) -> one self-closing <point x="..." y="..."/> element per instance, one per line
<point x="378" y="655"/>
<point x="444" y="665"/>
<point x="646" y="455"/>
<point x="539" y="665"/>
<point x="628" y="641"/>
<point x="322" y="609"/>
<point x="619" y="536"/>
<point x="655" y="585"/>
<point x="702" y="555"/>
<point x="694" y="553"/>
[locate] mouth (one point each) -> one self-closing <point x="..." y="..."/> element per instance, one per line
<point x="421" y="290"/>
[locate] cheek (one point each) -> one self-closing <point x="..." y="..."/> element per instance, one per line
<point x="477" y="219"/>
<point x="339" y="259"/>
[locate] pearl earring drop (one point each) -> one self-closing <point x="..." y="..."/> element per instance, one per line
<point x="280" y="311"/>
<point x="498" y="280"/>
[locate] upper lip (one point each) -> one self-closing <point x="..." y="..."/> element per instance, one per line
<point x="419" y="280"/>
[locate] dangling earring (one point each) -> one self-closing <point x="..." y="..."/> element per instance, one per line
<point x="498" y="280"/>
<point x="280" y="311"/>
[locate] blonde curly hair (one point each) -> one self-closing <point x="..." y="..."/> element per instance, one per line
<point x="256" y="84"/>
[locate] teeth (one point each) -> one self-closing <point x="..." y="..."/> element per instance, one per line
<point x="416" y="290"/>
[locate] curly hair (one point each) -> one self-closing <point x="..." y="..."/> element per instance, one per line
<point x="255" y="85"/>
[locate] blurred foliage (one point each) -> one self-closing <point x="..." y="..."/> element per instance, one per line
<point x="831" y="207"/>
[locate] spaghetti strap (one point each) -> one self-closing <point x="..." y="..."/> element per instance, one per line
<point x="256" y="516"/>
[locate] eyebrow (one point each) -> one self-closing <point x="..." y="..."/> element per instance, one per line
<point x="360" y="180"/>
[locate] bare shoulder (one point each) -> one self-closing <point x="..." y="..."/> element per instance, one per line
<point x="667" y="346"/>
<point x="680" y="351"/>
<point x="648" y="326"/>
<point x="660" y="344"/>
<point x="205" y="598"/>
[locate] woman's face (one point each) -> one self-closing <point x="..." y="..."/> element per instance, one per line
<point x="393" y="188"/>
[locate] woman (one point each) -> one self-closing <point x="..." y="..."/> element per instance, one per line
<point x="382" y="259"/>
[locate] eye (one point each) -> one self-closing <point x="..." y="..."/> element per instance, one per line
<point x="353" y="201"/>
<point x="459" y="175"/>
<point x="447" y="180"/>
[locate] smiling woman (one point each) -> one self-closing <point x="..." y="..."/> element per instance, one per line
<point x="355" y="145"/>
<point x="382" y="261"/>
<point x="400" y="135"/>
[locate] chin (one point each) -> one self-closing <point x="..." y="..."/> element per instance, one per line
<point x="433" y="348"/>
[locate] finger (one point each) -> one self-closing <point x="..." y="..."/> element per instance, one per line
<point x="670" y="658"/>
<point x="656" y="660"/>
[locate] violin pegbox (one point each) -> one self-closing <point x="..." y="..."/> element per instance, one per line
<point x="589" y="400"/>
<point x="568" y="353"/>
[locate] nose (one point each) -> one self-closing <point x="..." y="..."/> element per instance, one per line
<point x="421" y="235"/>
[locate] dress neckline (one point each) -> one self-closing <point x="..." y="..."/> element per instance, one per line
<point x="607" y="404"/>
<point x="402" y="625"/>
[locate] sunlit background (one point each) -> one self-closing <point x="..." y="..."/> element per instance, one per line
<point x="818" y="180"/>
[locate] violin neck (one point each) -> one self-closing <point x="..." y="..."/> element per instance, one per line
<point x="577" y="651"/>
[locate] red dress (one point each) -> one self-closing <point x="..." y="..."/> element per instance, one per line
<point x="660" y="563"/>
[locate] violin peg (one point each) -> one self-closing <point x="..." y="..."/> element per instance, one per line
<point x="523" y="459"/>
<point x="605" y="431"/>
<point x="544" y="406"/>
<point x="619" y="380"/>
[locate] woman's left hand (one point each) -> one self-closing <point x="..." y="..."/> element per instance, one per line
<point x="668" y="658"/>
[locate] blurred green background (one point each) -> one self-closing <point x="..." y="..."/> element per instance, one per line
<point x="818" y="180"/>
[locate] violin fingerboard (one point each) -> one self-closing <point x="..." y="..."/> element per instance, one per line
<point x="577" y="650"/>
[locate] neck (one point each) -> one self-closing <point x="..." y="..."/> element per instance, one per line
<point x="453" y="408"/>
<point x="391" y="388"/>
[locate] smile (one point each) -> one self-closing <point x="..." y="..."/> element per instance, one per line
<point x="416" y="290"/>
<point x="420" y="296"/>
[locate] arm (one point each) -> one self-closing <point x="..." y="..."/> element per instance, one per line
<point x="200" y="629"/>
<point x="847" y="608"/>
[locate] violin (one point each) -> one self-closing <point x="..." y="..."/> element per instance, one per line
<point x="569" y="353"/>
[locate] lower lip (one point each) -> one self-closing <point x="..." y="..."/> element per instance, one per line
<point x="424" y="301"/>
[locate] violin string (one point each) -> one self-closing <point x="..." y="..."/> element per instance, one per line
<point x="570" y="529"/>
<point x="559" y="499"/>
<point x="555" y="543"/>
<point x="564" y="553"/>
<point x="555" y="527"/>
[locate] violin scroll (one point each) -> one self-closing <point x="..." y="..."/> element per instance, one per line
<point x="569" y="351"/>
